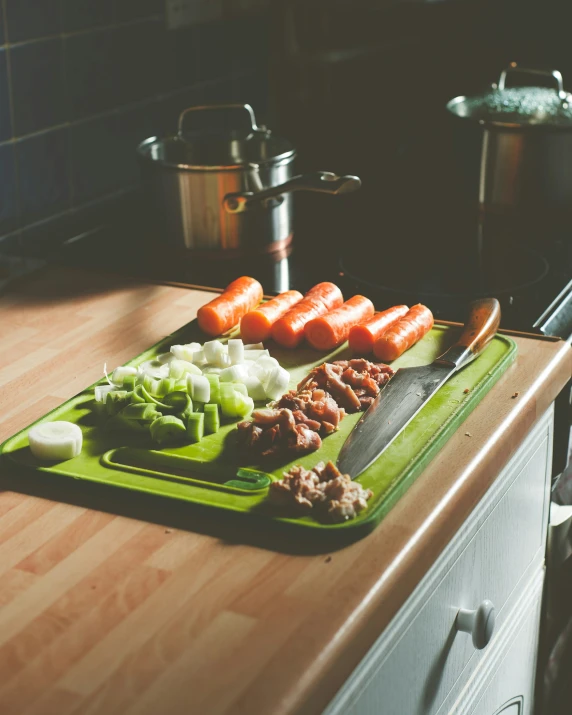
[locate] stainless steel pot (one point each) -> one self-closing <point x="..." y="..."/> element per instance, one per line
<point x="525" y="150"/>
<point x="228" y="189"/>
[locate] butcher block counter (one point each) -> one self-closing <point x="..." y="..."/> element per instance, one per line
<point x="120" y="604"/>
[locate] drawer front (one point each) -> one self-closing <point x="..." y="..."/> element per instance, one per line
<point x="415" y="664"/>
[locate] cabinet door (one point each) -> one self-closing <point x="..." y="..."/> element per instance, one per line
<point x="508" y="687"/>
<point x="422" y="660"/>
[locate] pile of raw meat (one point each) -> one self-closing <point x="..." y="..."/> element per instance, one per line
<point x="295" y="424"/>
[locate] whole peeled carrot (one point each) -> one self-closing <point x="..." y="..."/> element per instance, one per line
<point x="257" y="324"/>
<point x="330" y="330"/>
<point x="288" y="330"/>
<point x="363" y="336"/>
<point x="225" y="311"/>
<point x="408" y="330"/>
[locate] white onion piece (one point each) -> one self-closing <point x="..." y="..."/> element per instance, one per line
<point x="101" y="392"/>
<point x="199" y="357"/>
<point x="268" y="363"/>
<point x="257" y="370"/>
<point x="199" y="388"/>
<point x="255" y="354"/>
<point x="178" y="368"/>
<point x="213" y="350"/>
<point x="55" y="440"/>
<point x="277" y="383"/>
<point x="235" y="373"/>
<point x="184" y="352"/>
<point x="240" y="387"/>
<point x="223" y="360"/>
<point x="211" y="370"/>
<point x="165" y="357"/>
<point x="236" y="351"/>
<point x="255" y="388"/>
<point x="120" y="372"/>
<point x="153" y="368"/>
<point x="254" y="346"/>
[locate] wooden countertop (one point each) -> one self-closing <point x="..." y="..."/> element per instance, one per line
<point x="122" y="607"/>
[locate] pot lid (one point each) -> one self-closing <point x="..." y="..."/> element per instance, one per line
<point x="518" y="106"/>
<point x="220" y="145"/>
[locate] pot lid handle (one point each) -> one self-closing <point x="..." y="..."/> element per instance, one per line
<point x="214" y="107"/>
<point x="514" y="68"/>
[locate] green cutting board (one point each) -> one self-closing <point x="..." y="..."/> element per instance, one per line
<point x="207" y="473"/>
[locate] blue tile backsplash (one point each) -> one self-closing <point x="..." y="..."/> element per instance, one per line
<point x="82" y="82"/>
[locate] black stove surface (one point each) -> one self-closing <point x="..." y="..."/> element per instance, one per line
<point x="416" y="256"/>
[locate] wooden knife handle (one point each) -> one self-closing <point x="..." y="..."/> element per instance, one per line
<point x="480" y="328"/>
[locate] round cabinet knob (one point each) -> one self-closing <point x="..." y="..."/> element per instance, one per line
<point x="479" y="623"/>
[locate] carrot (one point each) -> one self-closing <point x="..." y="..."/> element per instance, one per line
<point x="406" y="332"/>
<point x="330" y="330"/>
<point x="225" y="311"/>
<point x="256" y="325"/>
<point x="363" y="336"/>
<point x="288" y="330"/>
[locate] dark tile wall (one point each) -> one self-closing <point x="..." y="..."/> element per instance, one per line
<point x="82" y="82"/>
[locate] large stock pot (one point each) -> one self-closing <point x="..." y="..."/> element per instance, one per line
<point x="228" y="189"/>
<point x="522" y="136"/>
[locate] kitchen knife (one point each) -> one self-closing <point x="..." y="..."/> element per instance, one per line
<point x="412" y="387"/>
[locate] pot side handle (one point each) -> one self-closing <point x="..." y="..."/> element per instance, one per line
<point x="513" y="68"/>
<point x="321" y="181"/>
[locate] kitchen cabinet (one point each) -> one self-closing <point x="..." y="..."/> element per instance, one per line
<point x="422" y="664"/>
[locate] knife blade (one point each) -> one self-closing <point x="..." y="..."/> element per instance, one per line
<point x="412" y="387"/>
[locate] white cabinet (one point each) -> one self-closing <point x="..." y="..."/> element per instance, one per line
<point x="422" y="664"/>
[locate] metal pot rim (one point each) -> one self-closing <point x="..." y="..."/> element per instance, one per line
<point x="272" y="161"/>
<point x="514" y="126"/>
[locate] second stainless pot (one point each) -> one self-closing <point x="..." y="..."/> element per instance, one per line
<point x="524" y="144"/>
<point x="228" y="189"/>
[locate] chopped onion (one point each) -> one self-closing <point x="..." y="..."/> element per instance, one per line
<point x="236" y="351"/>
<point x="254" y="346"/>
<point x="268" y="363"/>
<point x="211" y="370"/>
<point x="55" y="440"/>
<point x="255" y="388"/>
<point x="199" y="357"/>
<point x="199" y="388"/>
<point x="213" y="350"/>
<point x="277" y="383"/>
<point x="240" y="387"/>
<point x="153" y="368"/>
<point x="120" y="373"/>
<point x="235" y="373"/>
<point x="257" y="370"/>
<point x="178" y="368"/>
<point x="184" y="352"/>
<point x="165" y="357"/>
<point x="101" y="392"/>
<point x="250" y="355"/>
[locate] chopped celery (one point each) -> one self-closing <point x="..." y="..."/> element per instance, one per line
<point x="196" y="426"/>
<point x="137" y="396"/>
<point x="215" y="388"/>
<point x="167" y="430"/>
<point x="244" y="405"/>
<point x="228" y="401"/>
<point x="177" y="402"/>
<point x="150" y="384"/>
<point x="166" y="385"/>
<point x="129" y="382"/>
<point x="212" y="419"/>
<point x="140" y="411"/>
<point x="115" y="401"/>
